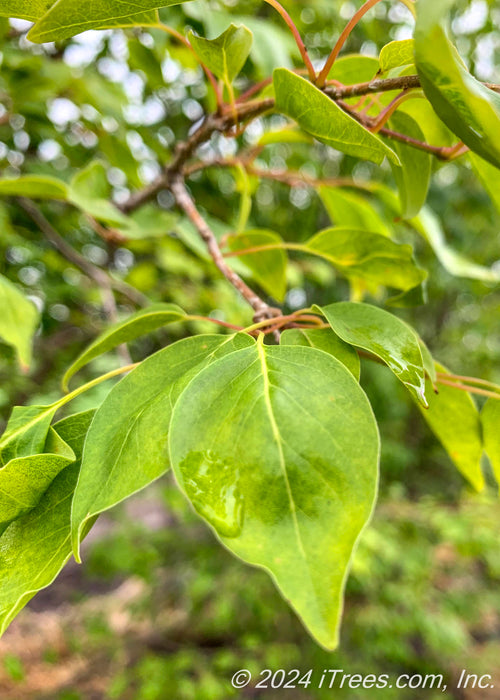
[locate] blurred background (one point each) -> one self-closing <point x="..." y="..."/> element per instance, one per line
<point x="159" y="609"/>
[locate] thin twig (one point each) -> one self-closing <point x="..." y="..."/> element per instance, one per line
<point x="186" y="204"/>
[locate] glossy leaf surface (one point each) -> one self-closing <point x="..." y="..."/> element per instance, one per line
<point x="466" y="106"/>
<point x="127" y="445"/>
<point x="383" y="335"/>
<point x="454" y="419"/>
<point x="490" y="419"/>
<point x="319" y="116"/>
<point x="26" y="432"/>
<point x="35" y="547"/>
<point x="225" y="56"/>
<point x="328" y="341"/>
<point x="142" y="322"/>
<point x="18" y="320"/>
<point x="277" y="448"/>
<point x="396" y="54"/>
<point x="370" y="256"/>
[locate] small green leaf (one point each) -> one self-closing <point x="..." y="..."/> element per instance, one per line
<point x="65" y="18"/>
<point x="127" y="444"/>
<point x="26" y="432"/>
<point x="290" y="480"/>
<point x="34" y="187"/>
<point x="18" y="320"/>
<point x="225" y="56"/>
<point x="321" y="117"/>
<point x="354" y="68"/>
<point x="326" y="340"/>
<point x="351" y="210"/>
<point x="466" y="106"/>
<point x="149" y="222"/>
<point x="429" y="227"/>
<point x="454" y="419"/>
<point x="268" y="267"/>
<point x="490" y="419"/>
<point x="142" y="322"/>
<point x="414" y="176"/>
<point x="385" y="336"/>
<point x="35" y="547"/>
<point x="89" y="191"/>
<point x="369" y="256"/>
<point x="397" y="54"/>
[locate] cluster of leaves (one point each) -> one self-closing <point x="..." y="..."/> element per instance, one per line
<point x="275" y="446"/>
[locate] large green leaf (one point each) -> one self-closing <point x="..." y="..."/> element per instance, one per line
<point x="385" y="336"/>
<point x="454" y="419"/>
<point x="18" y="320"/>
<point x="396" y="54"/>
<point x="325" y="120"/>
<point x="225" y="56"/>
<point x="26" y="432"/>
<point x="277" y="448"/>
<point x="25" y="9"/>
<point x="414" y="176"/>
<point x="429" y="227"/>
<point x="142" y="322"/>
<point x="328" y="341"/>
<point x="490" y="419"/>
<point x="268" y="267"/>
<point x="24" y="480"/>
<point x="65" y="18"/>
<point x="467" y="107"/>
<point x="351" y="210"/>
<point x="369" y="256"/>
<point x="127" y="445"/>
<point x="34" y="186"/>
<point x="35" y="547"/>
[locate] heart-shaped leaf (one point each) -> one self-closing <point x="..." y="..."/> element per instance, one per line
<point x="225" y="56"/>
<point x="385" y="336"/>
<point x="127" y="445"/>
<point x="142" y="322"/>
<point x="277" y="448"/>
<point x="321" y="117"/>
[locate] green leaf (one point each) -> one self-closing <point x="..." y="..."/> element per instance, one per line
<point x="35" y="547"/>
<point x="453" y="417"/>
<point x="26" y="432"/>
<point x="414" y="176"/>
<point x="354" y="68"/>
<point x="351" y="210"/>
<point x="89" y="191"/>
<point x="326" y="340"/>
<point x="429" y="227"/>
<point x="397" y="54"/>
<point x="385" y="336"/>
<point x="18" y="320"/>
<point x="65" y="18"/>
<point x="25" y="9"/>
<point x="490" y="419"/>
<point x="268" y="267"/>
<point x="465" y="105"/>
<point x="489" y="176"/>
<point x="127" y="444"/>
<point x="142" y="322"/>
<point x="319" y="116"/>
<point x="149" y="222"/>
<point x="290" y="480"/>
<point x="34" y="187"/>
<point x="369" y="256"/>
<point x="226" y="55"/>
<point x="24" y="480"/>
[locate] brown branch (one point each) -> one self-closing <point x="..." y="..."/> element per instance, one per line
<point x="185" y="202"/>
